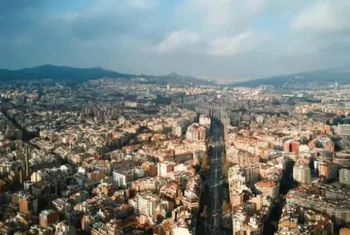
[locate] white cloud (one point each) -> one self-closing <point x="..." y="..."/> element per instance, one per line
<point x="125" y="8"/>
<point x="177" y="40"/>
<point x="122" y="4"/>
<point x="231" y="46"/>
<point x="220" y="16"/>
<point x="323" y="17"/>
<point x="143" y="4"/>
<point x="218" y="12"/>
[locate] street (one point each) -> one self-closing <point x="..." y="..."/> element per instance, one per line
<point x="214" y="197"/>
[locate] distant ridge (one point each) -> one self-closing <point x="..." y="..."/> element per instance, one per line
<point x="79" y="75"/>
<point x="310" y="78"/>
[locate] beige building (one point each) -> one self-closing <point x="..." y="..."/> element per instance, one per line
<point x="196" y="132"/>
<point x="302" y="174"/>
<point x="146" y="203"/>
<point x="344" y="176"/>
<point x="268" y="188"/>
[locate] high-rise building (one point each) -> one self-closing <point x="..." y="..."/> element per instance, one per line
<point x="291" y="146"/>
<point x="204" y="120"/>
<point x="96" y="175"/>
<point x="65" y="229"/>
<point x="268" y="188"/>
<point x="343" y="129"/>
<point x="329" y="170"/>
<point x="344" y="176"/>
<point x="302" y="173"/>
<point x="150" y="168"/>
<point x="259" y="119"/>
<point x="332" y="203"/>
<point x="86" y="222"/>
<point x="147" y="203"/>
<point x="28" y="203"/>
<point x="48" y="217"/>
<point x="196" y="132"/>
<point x="249" y="174"/>
<point x="177" y="131"/>
<point x="27" y="162"/>
<point x="164" y="168"/>
<point x="119" y="178"/>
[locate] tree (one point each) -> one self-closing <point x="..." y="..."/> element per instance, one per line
<point x="210" y="140"/>
<point x="223" y="158"/>
<point x="225" y="169"/>
<point x="205" y="162"/>
<point x="274" y="224"/>
<point x="226" y="207"/>
<point x="204" y="212"/>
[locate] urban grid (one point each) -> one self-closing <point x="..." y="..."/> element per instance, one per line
<point x="106" y="157"/>
<point x="174" y="117"/>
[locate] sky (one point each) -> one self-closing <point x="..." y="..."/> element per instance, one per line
<point x="220" y="39"/>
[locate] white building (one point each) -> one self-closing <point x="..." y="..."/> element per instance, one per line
<point x="164" y="168"/>
<point x="118" y="155"/>
<point x="204" y="120"/>
<point x="131" y="104"/>
<point x="139" y="172"/>
<point x="177" y="131"/>
<point x="181" y="231"/>
<point x="119" y="179"/>
<point x="302" y="174"/>
<point x="146" y="203"/>
<point x="344" y="176"/>
<point x="259" y="119"/>
<point x="244" y="174"/>
<point x="65" y="229"/>
<point x="338" y="209"/>
<point x="343" y="129"/>
<point x="196" y="132"/>
<point x="249" y="225"/>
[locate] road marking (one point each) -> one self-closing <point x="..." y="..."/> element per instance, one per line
<point x="216" y="185"/>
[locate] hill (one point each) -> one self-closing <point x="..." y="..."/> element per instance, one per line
<point x="79" y="75"/>
<point x="302" y="80"/>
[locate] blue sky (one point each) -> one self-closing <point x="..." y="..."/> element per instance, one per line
<point x="231" y="39"/>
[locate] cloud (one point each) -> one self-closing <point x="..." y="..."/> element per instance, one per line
<point x="122" y="5"/>
<point x="221" y="16"/>
<point x="74" y="36"/>
<point x="100" y="21"/>
<point x="195" y="37"/>
<point x="177" y="40"/>
<point x="323" y="17"/>
<point x="231" y="46"/>
<point x="110" y="18"/>
<point x="143" y="4"/>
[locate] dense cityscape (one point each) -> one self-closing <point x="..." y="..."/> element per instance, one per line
<point x="108" y="157"/>
<point x="174" y="117"/>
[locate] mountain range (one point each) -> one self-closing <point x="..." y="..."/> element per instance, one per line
<point x="78" y="75"/>
<point x="302" y="79"/>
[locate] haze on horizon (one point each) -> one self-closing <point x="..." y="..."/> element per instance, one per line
<point x="203" y="38"/>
